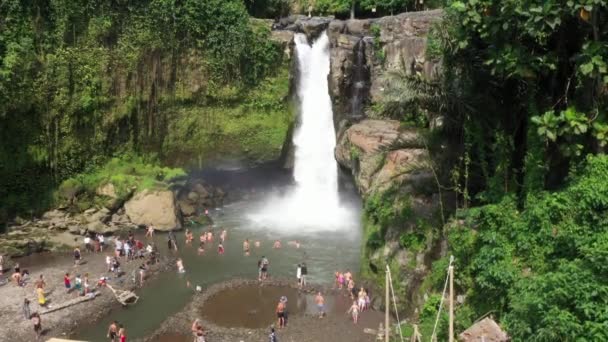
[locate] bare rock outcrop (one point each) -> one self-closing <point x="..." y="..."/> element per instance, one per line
<point x="381" y="153"/>
<point x="158" y="208"/>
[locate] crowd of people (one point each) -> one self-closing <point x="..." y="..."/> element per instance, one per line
<point x="130" y="249"/>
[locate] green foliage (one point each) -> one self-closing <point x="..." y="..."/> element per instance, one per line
<point x="387" y="208"/>
<point x="379" y="53"/>
<point x="84" y="80"/>
<point x="126" y="174"/>
<point x="544" y="267"/>
<point x="515" y="60"/>
<point x="249" y="126"/>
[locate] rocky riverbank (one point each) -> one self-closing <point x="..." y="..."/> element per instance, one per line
<point x="62" y="322"/>
<point x="110" y="213"/>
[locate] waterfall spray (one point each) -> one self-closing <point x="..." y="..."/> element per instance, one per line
<point x="313" y="205"/>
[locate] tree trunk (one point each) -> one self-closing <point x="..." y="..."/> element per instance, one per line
<point x="352" y="9"/>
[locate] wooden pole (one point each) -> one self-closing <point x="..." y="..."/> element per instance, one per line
<point x="387" y="304"/>
<point x="451" y="336"/>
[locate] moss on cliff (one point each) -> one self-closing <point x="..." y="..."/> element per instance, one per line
<point x="249" y="126"/>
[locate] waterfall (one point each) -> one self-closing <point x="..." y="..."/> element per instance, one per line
<point x="315" y="169"/>
<point x="360" y="75"/>
<point x="313" y="204"/>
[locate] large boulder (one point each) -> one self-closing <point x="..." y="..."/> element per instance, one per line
<point x="157" y="208"/>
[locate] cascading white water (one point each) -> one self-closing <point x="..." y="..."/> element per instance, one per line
<point x="315" y="169"/>
<point x="313" y="205"/>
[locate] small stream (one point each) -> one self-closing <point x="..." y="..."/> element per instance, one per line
<point x="323" y="251"/>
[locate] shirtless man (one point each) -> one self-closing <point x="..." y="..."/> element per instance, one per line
<point x="281" y="314"/>
<point x="257" y="244"/>
<point x="17" y="278"/>
<point x="277" y="244"/>
<point x="223" y="235"/>
<point x="320" y="301"/>
<point x="150" y="231"/>
<point x="203" y="238"/>
<point x="201" y="248"/>
<point x="246" y="247"/>
<point x="40" y="283"/>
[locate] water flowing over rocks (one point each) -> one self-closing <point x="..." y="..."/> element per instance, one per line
<point x="364" y="51"/>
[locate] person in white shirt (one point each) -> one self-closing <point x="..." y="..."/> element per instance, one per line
<point x="118" y="248"/>
<point x="102" y="241"/>
<point x="87" y="243"/>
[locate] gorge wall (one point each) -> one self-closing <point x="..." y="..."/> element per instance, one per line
<point x="391" y="161"/>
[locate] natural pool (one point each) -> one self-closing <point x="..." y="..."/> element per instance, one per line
<point x="323" y="251"/>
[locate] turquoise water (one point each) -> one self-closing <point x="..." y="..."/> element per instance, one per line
<point x="324" y="252"/>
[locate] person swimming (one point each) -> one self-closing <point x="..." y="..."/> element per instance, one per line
<point x="277" y="244"/>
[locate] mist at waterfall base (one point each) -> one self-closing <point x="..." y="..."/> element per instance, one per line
<point x="313" y="203"/>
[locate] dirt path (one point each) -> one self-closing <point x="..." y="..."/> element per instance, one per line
<point x="53" y="266"/>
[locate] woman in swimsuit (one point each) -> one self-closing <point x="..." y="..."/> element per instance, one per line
<point x="361" y="299"/>
<point x="354" y="311"/>
<point x="41" y="298"/>
<point x="122" y="333"/>
<point x="340" y="280"/>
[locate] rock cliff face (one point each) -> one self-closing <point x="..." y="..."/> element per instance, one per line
<point x="364" y="51"/>
<point x="391" y="164"/>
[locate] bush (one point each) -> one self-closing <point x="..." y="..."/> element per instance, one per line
<point x="543" y="267"/>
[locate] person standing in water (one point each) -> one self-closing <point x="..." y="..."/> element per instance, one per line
<point x="220" y="248"/>
<point x="299" y="275"/>
<point x="150" y="231"/>
<point x="223" y="235"/>
<point x="320" y="301"/>
<point x="122" y="333"/>
<point x="113" y="331"/>
<point x="280" y="314"/>
<point x="354" y="311"/>
<point x="264" y="264"/>
<point x="246" y="247"/>
<point x="277" y="244"/>
<point x="304" y="274"/>
<point x="180" y="266"/>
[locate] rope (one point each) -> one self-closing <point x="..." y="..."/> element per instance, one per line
<point x="445" y="288"/>
<point x="390" y="279"/>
